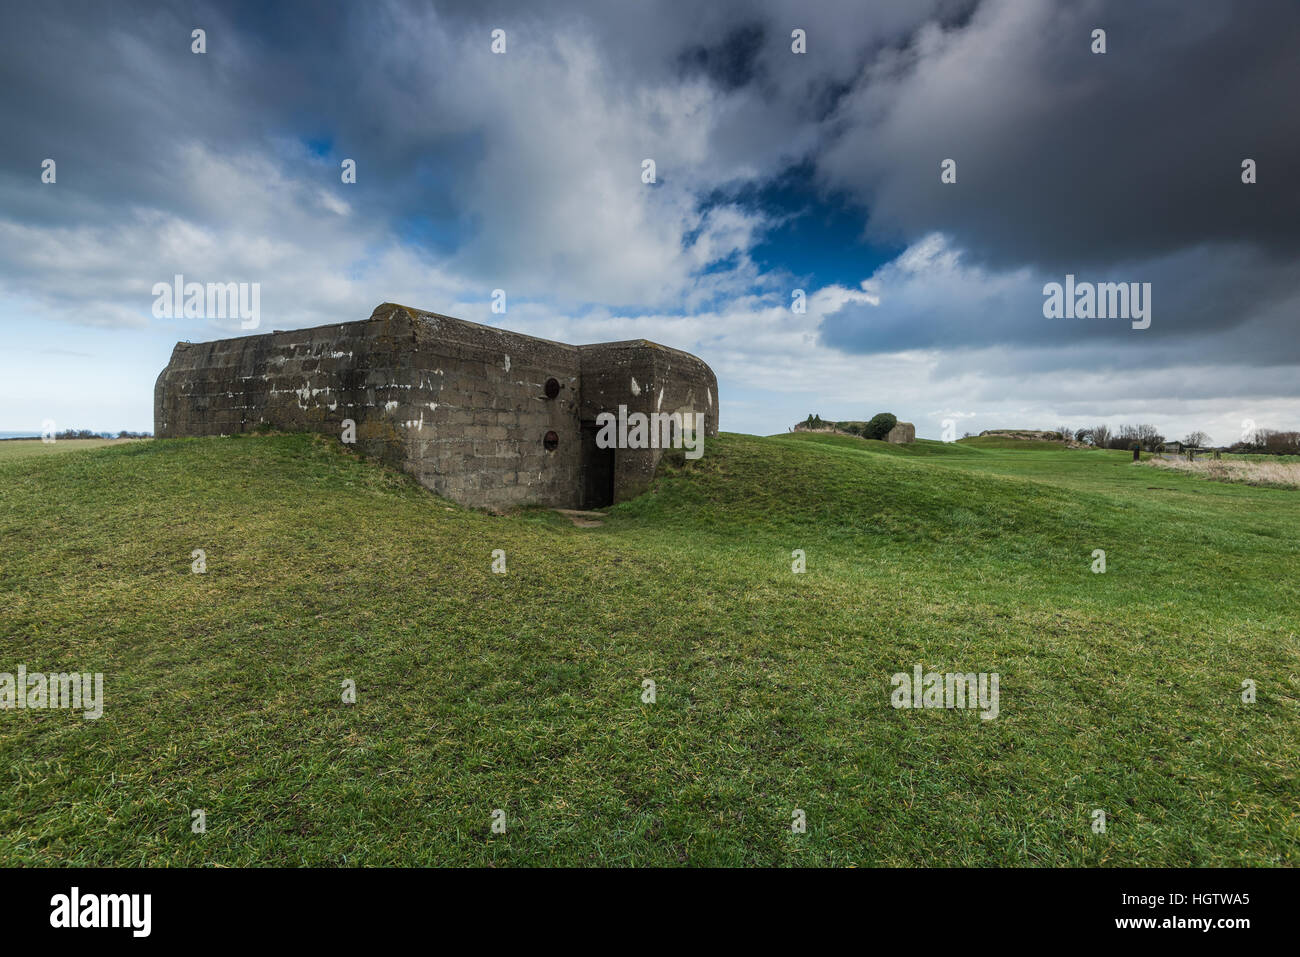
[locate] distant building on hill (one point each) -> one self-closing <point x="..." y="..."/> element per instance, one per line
<point x="1171" y="450"/>
<point x="1032" y="435"/>
<point x="902" y="433"/>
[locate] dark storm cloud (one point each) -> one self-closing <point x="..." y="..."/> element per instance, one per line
<point x="1069" y="159"/>
<point x="1122" y="166"/>
<point x="729" y="64"/>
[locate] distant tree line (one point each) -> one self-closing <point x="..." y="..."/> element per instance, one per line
<point x="88" y="434"/>
<point x="1146" y="437"/>
<point x="1149" y="439"/>
<point x="1270" y="442"/>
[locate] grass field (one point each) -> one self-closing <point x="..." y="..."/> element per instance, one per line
<point x="25" y="448"/>
<point x="522" y="692"/>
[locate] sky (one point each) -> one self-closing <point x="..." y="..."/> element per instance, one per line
<point x="775" y="171"/>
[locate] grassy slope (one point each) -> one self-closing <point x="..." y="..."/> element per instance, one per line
<point x="480" y="691"/>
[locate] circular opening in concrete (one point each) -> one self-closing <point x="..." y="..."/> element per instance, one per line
<point x="552" y="388"/>
<point x="550" y="442"/>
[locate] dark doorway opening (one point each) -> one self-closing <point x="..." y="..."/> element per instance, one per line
<point x="597" y="470"/>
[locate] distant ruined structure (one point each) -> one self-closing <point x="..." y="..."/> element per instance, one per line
<point x="1028" y="435"/>
<point x="482" y="416"/>
<point x="902" y="433"/>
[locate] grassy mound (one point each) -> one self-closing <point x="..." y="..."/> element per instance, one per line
<point x="523" y="692"/>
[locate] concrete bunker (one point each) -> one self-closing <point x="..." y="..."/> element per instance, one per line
<point x="480" y="415"/>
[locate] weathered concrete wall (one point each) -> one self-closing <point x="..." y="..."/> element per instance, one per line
<point x="902" y="433"/>
<point x="645" y="377"/>
<point x="461" y="406"/>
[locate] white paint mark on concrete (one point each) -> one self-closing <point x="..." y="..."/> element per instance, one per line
<point x="507" y="363"/>
<point x="636" y="389"/>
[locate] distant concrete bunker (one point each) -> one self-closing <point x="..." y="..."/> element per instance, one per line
<point x="482" y="416"/>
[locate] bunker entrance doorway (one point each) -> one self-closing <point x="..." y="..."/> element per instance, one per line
<point x="597" y="470"/>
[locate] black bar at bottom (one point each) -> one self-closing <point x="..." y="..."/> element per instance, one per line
<point x="335" y="907"/>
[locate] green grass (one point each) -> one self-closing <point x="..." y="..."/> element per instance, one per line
<point x="11" y="449"/>
<point x="522" y="691"/>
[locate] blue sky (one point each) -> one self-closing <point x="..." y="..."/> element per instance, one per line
<point x="776" y="171"/>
